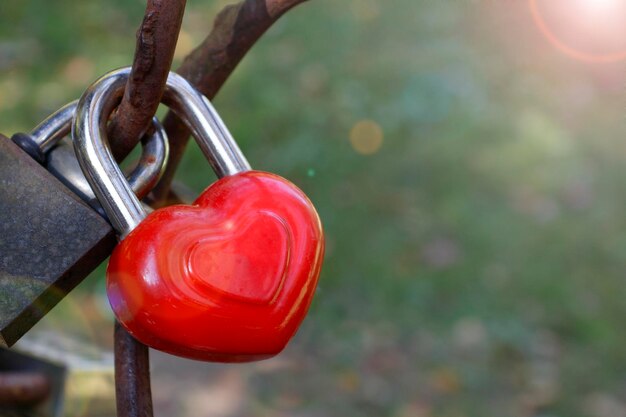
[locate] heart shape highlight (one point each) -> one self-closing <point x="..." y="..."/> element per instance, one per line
<point x="232" y="266"/>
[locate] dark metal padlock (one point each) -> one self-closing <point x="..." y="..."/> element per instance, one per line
<point x="50" y="239"/>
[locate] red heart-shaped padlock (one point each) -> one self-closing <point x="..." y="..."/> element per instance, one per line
<point x="229" y="278"/>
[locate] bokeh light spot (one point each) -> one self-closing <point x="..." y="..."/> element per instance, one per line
<point x="366" y="137"/>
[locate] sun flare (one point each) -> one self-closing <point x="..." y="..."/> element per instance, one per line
<point x="588" y="30"/>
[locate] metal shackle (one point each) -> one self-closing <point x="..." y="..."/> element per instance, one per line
<point x="89" y="130"/>
<point x="62" y="163"/>
<point x="47" y="134"/>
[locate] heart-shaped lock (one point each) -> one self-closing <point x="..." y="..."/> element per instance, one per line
<point x="228" y="278"/>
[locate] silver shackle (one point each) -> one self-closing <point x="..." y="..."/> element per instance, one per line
<point x="62" y="163"/>
<point x="122" y="207"/>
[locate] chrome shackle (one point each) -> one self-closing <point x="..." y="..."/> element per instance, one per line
<point x="88" y="130"/>
<point x="47" y="134"/>
<point x="46" y="144"/>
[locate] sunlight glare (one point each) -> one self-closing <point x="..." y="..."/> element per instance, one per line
<point x="588" y="30"/>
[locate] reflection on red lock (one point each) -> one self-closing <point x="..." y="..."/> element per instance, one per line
<point x="229" y="278"/>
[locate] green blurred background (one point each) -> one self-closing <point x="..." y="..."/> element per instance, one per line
<point x="469" y="175"/>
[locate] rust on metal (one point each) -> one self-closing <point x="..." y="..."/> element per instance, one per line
<point x="156" y="42"/>
<point x="235" y="30"/>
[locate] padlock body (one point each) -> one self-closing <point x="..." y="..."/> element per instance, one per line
<point x="49" y="241"/>
<point x="227" y="279"/>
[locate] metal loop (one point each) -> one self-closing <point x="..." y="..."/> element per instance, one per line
<point x="94" y="155"/>
<point x="54" y="127"/>
<point x="59" y="158"/>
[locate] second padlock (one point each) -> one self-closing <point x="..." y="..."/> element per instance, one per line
<point x="49" y="238"/>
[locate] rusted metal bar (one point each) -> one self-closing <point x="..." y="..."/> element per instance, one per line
<point x="235" y="30"/>
<point x="156" y="42"/>
<point x="132" y="376"/>
<point x="23" y="388"/>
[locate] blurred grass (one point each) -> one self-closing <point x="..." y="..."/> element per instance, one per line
<point x="475" y="260"/>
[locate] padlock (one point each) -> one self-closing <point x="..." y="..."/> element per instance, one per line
<point x="228" y="278"/>
<point x="49" y="238"/>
